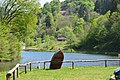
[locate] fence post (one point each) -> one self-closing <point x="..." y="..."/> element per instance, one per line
<point x="38" y="65"/>
<point x="119" y="62"/>
<point x="14" y="75"/>
<point x="44" y="65"/>
<point x="30" y="66"/>
<point x="18" y="72"/>
<point x="25" y="69"/>
<point x="105" y="63"/>
<point x="72" y="65"/>
<point x="119" y="58"/>
<point x="8" y="76"/>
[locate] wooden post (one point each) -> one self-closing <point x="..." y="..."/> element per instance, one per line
<point x="30" y="66"/>
<point x="44" y="65"/>
<point x="14" y="75"/>
<point x="13" y="71"/>
<point x="38" y="66"/>
<point x="8" y="76"/>
<point x="119" y="62"/>
<point x="105" y="63"/>
<point x="119" y="58"/>
<point x="25" y="69"/>
<point x="72" y="65"/>
<point x="18" y="72"/>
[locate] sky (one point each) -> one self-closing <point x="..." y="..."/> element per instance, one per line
<point x="42" y="2"/>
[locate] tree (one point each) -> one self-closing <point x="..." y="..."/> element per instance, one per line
<point x="50" y="24"/>
<point x="10" y="46"/>
<point x="82" y="8"/>
<point x="102" y="6"/>
<point x="96" y="37"/>
<point x="63" y="22"/>
<point x="39" y="42"/>
<point x="113" y="26"/>
<point x="47" y="8"/>
<point x="55" y="6"/>
<point x="19" y="18"/>
<point x="68" y="33"/>
<point x="79" y="28"/>
<point x="49" y="20"/>
<point x="4" y="44"/>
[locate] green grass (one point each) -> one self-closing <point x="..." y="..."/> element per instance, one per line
<point x="2" y="75"/>
<point x="66" y="73"/>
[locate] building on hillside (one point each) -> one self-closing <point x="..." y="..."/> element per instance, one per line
<point x="61" y="38"/>
<point x="63" y="13"/>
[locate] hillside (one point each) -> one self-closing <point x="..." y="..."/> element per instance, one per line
<point x="89" y="25"/>
<point x="86" y="24"/>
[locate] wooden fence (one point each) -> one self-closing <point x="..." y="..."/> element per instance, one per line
<point x="15" y="71"/>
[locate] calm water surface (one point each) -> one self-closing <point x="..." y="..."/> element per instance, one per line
<point x="38" y="56"/>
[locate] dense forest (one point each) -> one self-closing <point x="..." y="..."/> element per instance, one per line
<point x="73" y="25"/>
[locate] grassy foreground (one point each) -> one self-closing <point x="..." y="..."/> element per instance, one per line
<point x="66" y="73"/>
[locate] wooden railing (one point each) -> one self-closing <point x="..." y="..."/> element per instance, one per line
<point x="15" y="71"/>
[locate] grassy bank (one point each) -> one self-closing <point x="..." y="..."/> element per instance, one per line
<point x="64" y="47"/>
<point x="66" y="73"/>
<point x="101" y="53"/>
<point x="2" y="75"/>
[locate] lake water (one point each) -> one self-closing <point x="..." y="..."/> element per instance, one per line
<point x="39" y="56"/>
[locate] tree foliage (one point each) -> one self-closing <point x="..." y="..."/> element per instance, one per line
<point x="102" y="6"/>
<point x="87" y="24"/>
<point x="17" y="21"/>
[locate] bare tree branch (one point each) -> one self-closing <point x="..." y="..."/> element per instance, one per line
<point x="12" y="5"/>
<point x="13" y="12"/>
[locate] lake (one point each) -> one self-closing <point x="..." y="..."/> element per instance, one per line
<point x="38" y="56"/>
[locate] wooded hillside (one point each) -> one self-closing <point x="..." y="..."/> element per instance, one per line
<point x="87" y="24"/>
<point x="92" y="25"/>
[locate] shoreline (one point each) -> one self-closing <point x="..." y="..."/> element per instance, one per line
<point x="66" y="51"/>
<point x="73" y="51"/>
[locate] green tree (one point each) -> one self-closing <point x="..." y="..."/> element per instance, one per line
<point x="4" y="44"/>
<point x="79" y="28"/>
<point x="55" y="6"/>
<point x="49" y="20"/>
<point x="10" y="46"/>
<point x="70" y="36"/>
<point x="50" y="24"/>
<point x="113" y="39"/>
<point x="47" y="8"/>
<point x="82" y="8"/>
<point x="19" y="18"/>
<point x="96" y="37"/>
<point x="29" y="41"/>
<point x="39" y="42"/>
<point x="102" y="6"/>
<point x="63" y="22"/>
